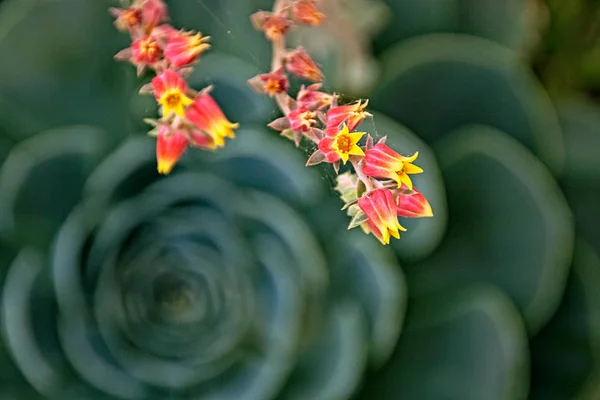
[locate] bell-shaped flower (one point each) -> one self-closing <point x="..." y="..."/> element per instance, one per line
<point x="208" y="117"/>
<point x="350" y="114"/>
<point x="383" y="162"/>
<point x="379" y="206"/>
<point x="170" y="146"/>
<point x="305" y="12"/>
<point x="184" y="48"/>
<point x="412" y="204"/>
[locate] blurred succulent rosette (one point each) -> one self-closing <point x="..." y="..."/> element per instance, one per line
<point x="219" y="281"/>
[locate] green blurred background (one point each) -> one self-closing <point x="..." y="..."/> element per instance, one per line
<point x="496" y="297"/>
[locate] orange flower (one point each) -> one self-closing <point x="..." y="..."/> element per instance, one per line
<point x="169" y="90"/>
<point x="275" y="26"/>
<point x="206" y="114"/>
<point x="305" y="12"/>
<point x="274" y="82"/>
<point x="302" y="119"/>
<point x="380" y="208"/>
<point x="302" y="65"/>
<point x="383" y="162"/>
<point x="184" y="48"/>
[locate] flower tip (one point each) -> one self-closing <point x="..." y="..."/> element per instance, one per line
<point x="164" y="167"/>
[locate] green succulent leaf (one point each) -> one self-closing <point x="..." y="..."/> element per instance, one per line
<point x="463" y="344"/>
<point x="580" y="121"/>
<point x="510" y="224"/>
<point x="566" y="353"/>
<point x="424" y="234"/>
<point x="508" y="22"/>
<point x="437" y="83"/>
<point x="42" y="178"/>
<point x="59" y="70"/>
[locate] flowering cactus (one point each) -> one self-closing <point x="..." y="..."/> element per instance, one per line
<point x="380" y="189"/>
<point x="188" y="117"/>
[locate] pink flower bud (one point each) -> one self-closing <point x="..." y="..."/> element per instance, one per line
<point x="311" y="98"/>
<point x="183" y="49"/>
<point x="380" y="208"/>
<point x="154" y="12"/>
<point x="127" y="19"/>
<point x="302" y="65"/>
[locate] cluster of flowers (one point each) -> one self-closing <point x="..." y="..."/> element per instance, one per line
<point x="188" y="117"/>
<point x="380" y="189"/>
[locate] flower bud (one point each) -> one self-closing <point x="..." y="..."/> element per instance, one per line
<point x="412" y="204"/>
<point x="154" y="12"/>
<point x="305" y="12"/>
<point x="302" y="65"/>
<point x="184" y="48"/>
<point x="311" y="98"/>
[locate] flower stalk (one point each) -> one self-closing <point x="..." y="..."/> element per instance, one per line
<point x="189" y="118"/>
<point x="378" y="187"/>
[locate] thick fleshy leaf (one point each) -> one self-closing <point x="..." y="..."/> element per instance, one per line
<point x="464" y="344"/>
<point x="566" y="353"/>
<point x="509" y="22"/>
<point x="57" y="72"/>
<point x="438" y="83"/>
<point x="263" y="161"/>
<point x="424" y="234"/>
<point x="510" y="224"/>
<point x="333" y="366"/>
<point x="581" y="181"/>
<point x="42" y="178"/>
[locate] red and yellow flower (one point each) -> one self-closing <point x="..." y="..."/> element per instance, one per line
<point x="170" y="92"/>
<point x="127" y="19"/>
<point x="170" y="146"/>
<point x="312" y="98"/>
<point x="183" y="49"/>
<point x="145" y="50"/>
<point x="380" y="208"/>
<point x="412" y="204"/>
<point x="383" y="162"/>
<point x="302" y="119"/>
<point x="207" y="116"/>
<point x="351" y="114"/>
<point x="341" y="146"/>
<point x="274" y="82"/>
<point x="153" y="12"/>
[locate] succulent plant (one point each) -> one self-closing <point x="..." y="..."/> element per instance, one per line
<point x="234" y="278"/>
